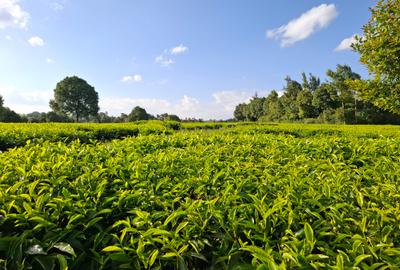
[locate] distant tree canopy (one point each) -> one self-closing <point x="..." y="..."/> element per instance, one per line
<point x="168" y="117"/>
<point x="73" y="96"/>
<point x="332" y="101"/>
<point x="137" y="114"/>
<point x="379" y="49"/>
<point x="8" y="115"/>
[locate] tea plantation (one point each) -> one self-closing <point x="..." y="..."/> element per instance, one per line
<point x="164" y="195"/>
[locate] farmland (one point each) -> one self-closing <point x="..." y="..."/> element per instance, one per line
<point x="165" y="195"/>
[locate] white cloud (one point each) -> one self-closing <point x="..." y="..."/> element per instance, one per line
<point x="163" y="61"/>
<point x="12" y="15"/>
<point x="36" y="41"/>
<point x="8" y="37"/>
<point x="229" y="99"/>
<point x="302" y="27"/>
<point x="26" y="102"/>
<point x="346" y="44"/>
<point x="134" y="78"/>
<point x="49" y="61"/>
<point x="179" y="49"/>
<point x="137" y="78"/>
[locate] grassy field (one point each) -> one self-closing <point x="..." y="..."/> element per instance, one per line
<point x="199" y="196"/>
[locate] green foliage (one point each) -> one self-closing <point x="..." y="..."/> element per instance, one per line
<point x="74" y="96"/>
<point x="7" y="115"/>
<point x="15" y="135"/>
<point x="168" y="117"/>
<point x="244" y="196"/>
<point x="380" y="51"/>
<point x="334" y="101"/>
<point x="138" y="114"/>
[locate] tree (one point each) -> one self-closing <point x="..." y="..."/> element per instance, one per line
<point x="273" y="109"/>
<point x="54" y="117"/>
<point x="304" y="102"/>
<point x="255" y="108"/>
<point x="240" y="112"/>
<point x="348" y="98"/>
<point x="168" y="117"/>
<point x="1" y="101"/>
<point x="7" y="115"/>
<point x="137" y="114"/>
<point x="311" y="83"/>
<point x="379" y="50"/>
<point x="36" y="117"/>
<point x="325" y="97"/>
<point x="75" y="97"/>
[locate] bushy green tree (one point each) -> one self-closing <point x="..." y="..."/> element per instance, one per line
<point x="75" y="97"/>
<point x="168" y="117"/>
<point x="240" y="112"/>
<point x="55" y="117"/>
<point x="8" y="115"/>
<point x="339" y="80"/>
<point x="325" y="97"/>
<point x="304" y="103"/>
<point x="137" y="114"/>
<point x="379" y="49"/>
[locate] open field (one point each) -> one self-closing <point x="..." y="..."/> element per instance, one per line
<point x="199" y="196"/>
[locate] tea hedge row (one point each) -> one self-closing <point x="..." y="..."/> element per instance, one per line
<point x="16" y="135"/>
<point x="236" y="198"/>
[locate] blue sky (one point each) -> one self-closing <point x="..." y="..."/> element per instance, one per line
<point x="193" y="58"/>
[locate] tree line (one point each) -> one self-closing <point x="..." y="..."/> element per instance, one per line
<point x="313" y="101"/>
<point x="77" y="101"/>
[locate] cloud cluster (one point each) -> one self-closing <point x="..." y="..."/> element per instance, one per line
<point x="36" y="41"/>
<point x="132" y="78"/>
<point x="165" y="59"/>
<point x="304" y="26"/>
<point x="179" y="49"/>
<point x="346" y="43"/>
<point x="12" y="15"/>
<point x="26" y="102"/>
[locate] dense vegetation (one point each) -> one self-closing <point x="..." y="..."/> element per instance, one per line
<point x="240" y="196"/>
<point x="18" y="134"/>
<point x="380" y="51"/>
<point x="311" y="101"/>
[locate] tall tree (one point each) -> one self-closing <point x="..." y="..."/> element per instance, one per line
<point x="288" y="100"/>
<point x="339" y="80"/>
<point x="1" y="101"/>
<point x="304" y="102"/>
<point x="311" y="83"/>
<point x="325" y="97"/>
<point x="75" y="97"/>
<point x="379" y="49"/>
<point x="255" y="108"/>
